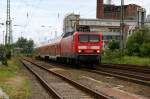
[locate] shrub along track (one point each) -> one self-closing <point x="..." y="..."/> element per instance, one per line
<point x="59" y="86"/>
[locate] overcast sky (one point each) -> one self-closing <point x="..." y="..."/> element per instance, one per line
<point x="30" y="15"/>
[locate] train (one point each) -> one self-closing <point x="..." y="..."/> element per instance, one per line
<point x="74" y="47"/>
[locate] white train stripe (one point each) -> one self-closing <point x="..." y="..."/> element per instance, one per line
<point x="88" y="47"/>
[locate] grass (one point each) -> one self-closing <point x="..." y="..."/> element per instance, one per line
<point x="13" y="82"/>
<point x="9" y="71"/>
<point x="17" y="92"/>
<point x="114" y="57"/>
<point x="134" y="60"/>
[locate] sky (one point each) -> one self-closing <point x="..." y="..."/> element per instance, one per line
<point x="41" y="19"/>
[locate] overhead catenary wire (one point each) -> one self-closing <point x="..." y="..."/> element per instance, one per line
<point x="28" y="15"/>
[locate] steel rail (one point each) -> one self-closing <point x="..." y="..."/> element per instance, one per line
<point x="126" y="73"/>
<point x="139" y="79"/>
<point x="84" y="88"/>
<point x="142" y="69"/>
<point x="50" y="90"/>
<point x="121" y="76"/>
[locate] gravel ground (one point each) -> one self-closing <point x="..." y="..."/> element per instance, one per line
<point x="97" y="81"/>
<point x="66" y="90"/>
<point x="37" y="91"/>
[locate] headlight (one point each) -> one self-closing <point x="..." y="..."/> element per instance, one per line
<point x="79" y="51"/>
<point x="98" y="51"/>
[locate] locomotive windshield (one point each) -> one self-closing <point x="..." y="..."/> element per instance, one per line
<point x="83" y="38"/>
<point x="94" y="38"/>
<point x="89" y="38"/>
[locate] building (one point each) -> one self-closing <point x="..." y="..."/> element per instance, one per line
<point x="134" y="16"/>
<point x="111" y="11"/>
<point x="109" y="27"/>
<point x="107" y="21"/>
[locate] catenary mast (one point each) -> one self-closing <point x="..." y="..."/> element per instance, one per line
<point x="8" y="37"/>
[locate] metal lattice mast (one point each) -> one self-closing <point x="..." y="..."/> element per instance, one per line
<point x="8" y="37"/>
<point x="122" y="25"/>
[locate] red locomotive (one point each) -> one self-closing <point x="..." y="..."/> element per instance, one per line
<point x="74" y="47"/>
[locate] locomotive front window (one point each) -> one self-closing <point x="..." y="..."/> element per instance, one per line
<point x="89" y="38"/>
<point x="94" y="38"/>
<point x="83" y="38"/>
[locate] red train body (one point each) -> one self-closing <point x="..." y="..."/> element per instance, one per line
<point x="74" y="47"/>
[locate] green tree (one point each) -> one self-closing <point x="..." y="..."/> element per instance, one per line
<point x="21" y="42"/>
<point x="30" y="46"/>
<point x="26" y="46"/>
<point x="138" y="42"/>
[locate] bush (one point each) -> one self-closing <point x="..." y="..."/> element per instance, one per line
<point x="112" y="56"/>
<point x="134" y="50"/>
<point x="8" y="55"/>
<point x="113" y="44"/>
<point x="145" y="49"/>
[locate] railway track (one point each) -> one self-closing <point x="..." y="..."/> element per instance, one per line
<point x="59" y="86"/>
<point x="133" y="77"/>
<point x="136" y="74"/>
<point x="135" y="68"/>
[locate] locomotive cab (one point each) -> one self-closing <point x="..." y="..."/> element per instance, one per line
<point x="89" y="47"/>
